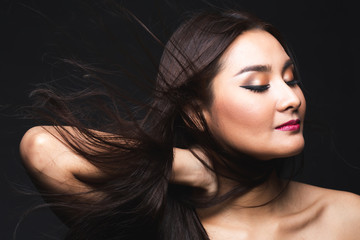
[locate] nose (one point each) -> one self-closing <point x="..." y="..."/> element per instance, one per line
<point x="288" y="97"/>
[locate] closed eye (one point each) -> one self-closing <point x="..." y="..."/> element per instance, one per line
<point x="263" y="88"/>
<point x="257" y="88"/>
<point x="293" y="82"/>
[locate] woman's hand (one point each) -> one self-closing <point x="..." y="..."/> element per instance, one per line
<point x="58" y="169"/>
<point x="188" y="170"/>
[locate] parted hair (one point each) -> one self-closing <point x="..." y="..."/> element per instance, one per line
<point x="140" y="201"/>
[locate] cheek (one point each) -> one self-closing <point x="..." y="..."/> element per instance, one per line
<point x="241" y="111"/>
<point x="238" y="118"/>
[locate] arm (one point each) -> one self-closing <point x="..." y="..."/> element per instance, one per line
<point x="188" y="170"/>
<point x="53" y="165"/>
<point x="56" y="168"/>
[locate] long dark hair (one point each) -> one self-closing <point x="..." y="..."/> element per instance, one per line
<point x="139" y="200"/>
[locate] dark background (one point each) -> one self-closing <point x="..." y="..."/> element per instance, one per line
<point x="323" y="34"/>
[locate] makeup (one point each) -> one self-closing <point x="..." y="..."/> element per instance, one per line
<point x="292" y="125"/>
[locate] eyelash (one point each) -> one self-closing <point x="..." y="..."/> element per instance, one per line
<point x="257" y="88"/>
<point x="263" y="88"/>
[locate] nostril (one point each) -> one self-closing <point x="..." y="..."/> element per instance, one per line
<point x="292" y="103"/>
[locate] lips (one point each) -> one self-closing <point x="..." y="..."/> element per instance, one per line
<point x="292" y="125"/>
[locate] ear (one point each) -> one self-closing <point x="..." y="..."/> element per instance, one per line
<point x="194" y="117"/>
<point x="206" y="114"/>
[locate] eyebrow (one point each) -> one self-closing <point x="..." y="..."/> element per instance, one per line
<point x="255" y="68"/>
<point x="264" y="68"/>
<point x="287" y="64"/>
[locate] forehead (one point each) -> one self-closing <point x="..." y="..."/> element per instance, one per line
<point x="254" y="47"/>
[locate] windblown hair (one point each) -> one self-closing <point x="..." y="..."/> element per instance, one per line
<point x="137" y="153"/>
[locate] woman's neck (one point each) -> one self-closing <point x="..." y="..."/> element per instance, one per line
<point x="269" y="197"/>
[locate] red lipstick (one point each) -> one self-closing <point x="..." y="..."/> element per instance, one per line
<point x="292" y="125"/>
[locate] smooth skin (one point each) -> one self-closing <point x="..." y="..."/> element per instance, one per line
<point x="246" y="120"/>
<point x="55" y="167"/>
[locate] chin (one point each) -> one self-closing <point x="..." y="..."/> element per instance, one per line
<point x="282" y="152"/>
<point x="290" y="152"/>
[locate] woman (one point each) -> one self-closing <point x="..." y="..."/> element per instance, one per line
<point x="204" y="163"/>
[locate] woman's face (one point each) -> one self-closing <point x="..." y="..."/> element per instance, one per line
<point x="258" y="108"/>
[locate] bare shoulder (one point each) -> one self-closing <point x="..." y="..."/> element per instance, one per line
<point x="341" y="210"/>
<point x="344" y="213"/>
<point x="336" y="200"/>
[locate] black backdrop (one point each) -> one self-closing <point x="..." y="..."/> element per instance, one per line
<point x="323" y="34"/>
